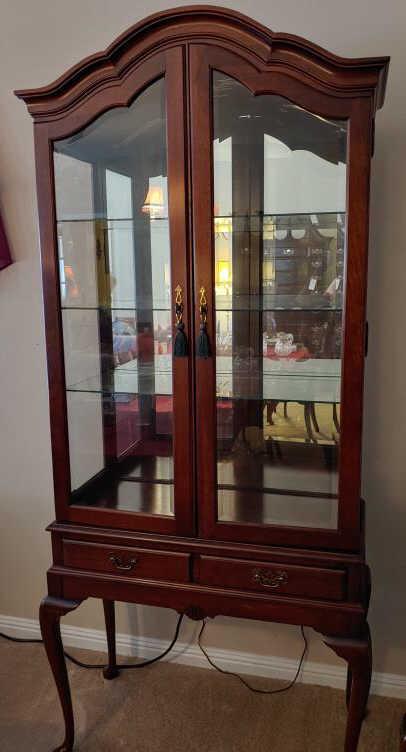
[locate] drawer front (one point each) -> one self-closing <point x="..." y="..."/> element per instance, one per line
<point x="273" y="578"/>
<point x="137" y="563"/>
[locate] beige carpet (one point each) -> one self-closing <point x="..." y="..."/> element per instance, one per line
<point x="168" y="708"/>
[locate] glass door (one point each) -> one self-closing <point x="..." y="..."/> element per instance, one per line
<point x="120" y="212"/>
<point x="274" y="263"/>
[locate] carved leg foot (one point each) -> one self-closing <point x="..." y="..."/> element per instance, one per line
<point x="403" y="735"/>
<point x="358" y="654"/>
<point x="50" y="613"/>
<point x="111" y="671"/>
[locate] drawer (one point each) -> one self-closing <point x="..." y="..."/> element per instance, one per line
<point x="273" y="578"/>
<point x="137" y="563"/>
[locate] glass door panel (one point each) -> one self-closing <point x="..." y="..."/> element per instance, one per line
<point x="279" y="224"/>
<point x="111" y="183"/>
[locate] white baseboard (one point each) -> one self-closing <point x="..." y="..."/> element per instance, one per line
<point x="273" y="667"/>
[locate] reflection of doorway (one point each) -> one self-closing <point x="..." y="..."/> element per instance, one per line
<point x="133" y="271"/>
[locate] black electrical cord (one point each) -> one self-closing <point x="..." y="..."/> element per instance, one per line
<point x="158" y="657"/>
<point x="18" y="639"/>
<point x="242" y="680"/>
<point x="120" y="666"/>
<point x="124" y="666"/>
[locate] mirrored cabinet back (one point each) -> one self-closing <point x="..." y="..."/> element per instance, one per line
<point x="203" y="190"/>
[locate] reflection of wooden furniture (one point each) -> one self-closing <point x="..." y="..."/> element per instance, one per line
<point x="309" y="414"/>
<point x="150" y="530"/>
<point x="313" y="380"/>
<point x="308" y="382"/>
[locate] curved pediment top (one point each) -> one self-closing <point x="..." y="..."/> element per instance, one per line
<point x="366" y="76"/>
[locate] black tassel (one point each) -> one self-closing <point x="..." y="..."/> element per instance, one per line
<point x="203" y="344"/>
<point x="180" y="348"/>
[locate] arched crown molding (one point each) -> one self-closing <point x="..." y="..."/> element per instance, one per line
<point x="212" y="25"/>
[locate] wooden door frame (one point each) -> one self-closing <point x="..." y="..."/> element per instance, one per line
<point x="271" y="79"/>
<point x="170" y="65"/>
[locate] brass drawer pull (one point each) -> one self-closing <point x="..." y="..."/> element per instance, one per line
<point x="270" y="579"/>
<point x="119" y="563"/>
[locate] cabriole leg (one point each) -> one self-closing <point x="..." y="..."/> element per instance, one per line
<point x="111" y="671"/>
<point x="50" y="613"/>
<point x="358" y="654"/>
<point x="403" y="735"/>
<point x="348" y="687"/>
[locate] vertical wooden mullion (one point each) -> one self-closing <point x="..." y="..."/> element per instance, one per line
<point x="53" y="318"/>
<point x="352" y="384"/>
<point x="256" y="247"/>
<point x="247" y="248"/>
<point x="256" y="203"/>
<point x="203" y="254"/>
<point x="176" y="113"/>
<point x="240" y="266"/>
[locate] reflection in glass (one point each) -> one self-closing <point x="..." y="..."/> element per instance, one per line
<point x="279" y="234"/>
<point x="115" y="286"/>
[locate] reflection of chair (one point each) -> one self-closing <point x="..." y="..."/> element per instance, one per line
<point x="124" y="340"/>
<point x="125" y="348"/>
<point x="310" y="417"/>
<point x="336" y="422"/>
<point x="309" y="413"/>
<point x="271" y="406"/>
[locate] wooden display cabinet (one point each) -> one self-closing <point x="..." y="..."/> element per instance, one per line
<point x="205" y="174"/>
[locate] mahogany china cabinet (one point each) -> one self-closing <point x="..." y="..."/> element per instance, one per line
<point x="203" y="191"/>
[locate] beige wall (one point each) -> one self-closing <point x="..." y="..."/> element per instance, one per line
<point x="38" y="42"/>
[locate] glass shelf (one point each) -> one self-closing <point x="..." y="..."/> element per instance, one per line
<point x="324" y="214"/>
<point x="129" y="496"/>
<point x="312" y="380"/>
<point x="107" y="219"/>
<point x="125" y="379"/>
<point x="153" y="469"/>
<point x="254" y="308"/>
<point x="113" y="308"/>
<point x="326" y="307"/>
<point x="142" y="484"/>
<point x="307" y="215"/>
<point x="261" y="508"/>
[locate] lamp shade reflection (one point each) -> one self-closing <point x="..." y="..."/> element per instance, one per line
<point x="154" y="202"/>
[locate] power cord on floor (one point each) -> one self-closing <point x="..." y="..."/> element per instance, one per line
<point x="99" y="666"/>
<point x="124" y="666"/>
<point x="242" y="680"/>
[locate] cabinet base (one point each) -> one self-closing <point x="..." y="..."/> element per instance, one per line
<point x="356" y="651"/>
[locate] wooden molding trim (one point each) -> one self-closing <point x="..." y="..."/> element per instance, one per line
<point x="270" y="666"/>
<point x="208" y="25"/>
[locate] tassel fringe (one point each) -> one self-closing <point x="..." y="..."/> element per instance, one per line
<point x="203" y="344"/>
<point x="180" y="347"/>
